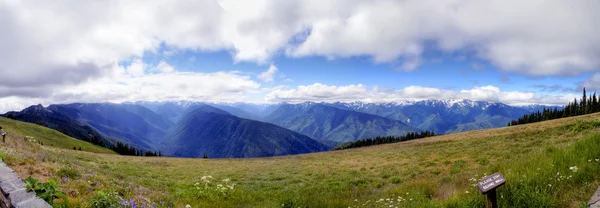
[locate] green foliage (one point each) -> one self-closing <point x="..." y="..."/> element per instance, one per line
<point x="105" y="200"/>
<point x="47" y="191"/>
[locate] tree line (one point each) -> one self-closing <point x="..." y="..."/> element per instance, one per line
<point x="586" y="105"/>
<point x="121" y="148"/>
<point x="125" y="149"/>
<point x="384" y="140"/>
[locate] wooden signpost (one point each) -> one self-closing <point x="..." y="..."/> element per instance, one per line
<point x="488" y="187"/>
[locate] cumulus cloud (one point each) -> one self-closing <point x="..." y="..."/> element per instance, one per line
<point x="49" y="46"/>
<point x="593" y="83"/>
<point x="514" y="35"/>
<point x="268" y="76"/>
<point x="140" y="81"/>
<point x="318" y="92"/>
<point x="327" y="93"/>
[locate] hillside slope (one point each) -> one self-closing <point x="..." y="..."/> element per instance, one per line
<point x="18" y="130"/>
<point x="206" y="129"/>
<point x="131" y="124"/>
<point x="57" y="120"/>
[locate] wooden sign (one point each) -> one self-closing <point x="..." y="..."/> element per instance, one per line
<point x="491" y="183"/>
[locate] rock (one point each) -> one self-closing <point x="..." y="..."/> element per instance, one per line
<point x="595" y="200"/>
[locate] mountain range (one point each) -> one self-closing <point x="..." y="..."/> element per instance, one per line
<point x="324" y="122"/>
<point x="207" y="130"/>
<point x="192" y="129"/>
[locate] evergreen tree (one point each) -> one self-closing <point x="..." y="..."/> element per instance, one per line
<point x="584" y="103"/>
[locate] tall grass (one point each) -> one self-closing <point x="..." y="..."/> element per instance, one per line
<point x="551" y="178"/>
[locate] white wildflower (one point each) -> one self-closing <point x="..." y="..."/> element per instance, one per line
<point x="574" y="169"/>
<point x="188" y="206"/>
<point x="467" y="192"/>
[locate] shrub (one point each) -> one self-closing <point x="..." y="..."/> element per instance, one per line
<point x="47" y="191"/>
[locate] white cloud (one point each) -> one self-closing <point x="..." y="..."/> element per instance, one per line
<point x="136" y="68"/>
<point x="534" y="37"/>
<point x="593" y="83"/>
<point x="132" y="83"/>
<point x="514" y="35"/>
<point x="49" y="46"/>
<point x="327" y="93"/>
<point x="318" y="92"/>
<point x="268" y="76"/>
<point x="164" y="67"/>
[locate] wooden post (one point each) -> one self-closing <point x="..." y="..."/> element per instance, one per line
<point x="492" y="200"/>
<point x="488" y="187"/>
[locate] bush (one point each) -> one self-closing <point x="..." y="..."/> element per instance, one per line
<point x="47" y="191"/>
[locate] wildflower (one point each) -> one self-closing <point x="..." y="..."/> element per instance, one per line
<point x="550" y="185"/>
<point x="226" y="180"/>
<point x="574" y="169"/>
<point x="589" y="160"/>
<point x="467" y="192"/>
<point x="188" y="206"/>
<point x="597" y="160"/>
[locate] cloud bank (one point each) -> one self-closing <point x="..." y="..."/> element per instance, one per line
<point x="66" y="49"/>
<point x="327" y="93"/>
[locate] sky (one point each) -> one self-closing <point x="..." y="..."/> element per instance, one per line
<point x="269" y="51"/>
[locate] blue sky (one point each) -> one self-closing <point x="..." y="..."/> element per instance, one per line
<point x="269" y="51"/>
<point x="450" y="72"/>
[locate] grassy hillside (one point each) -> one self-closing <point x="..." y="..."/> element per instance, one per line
<point x="536" y="159"/>
<point x="49" y="137"/>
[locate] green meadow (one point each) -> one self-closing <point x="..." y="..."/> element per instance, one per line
<point x="548" y="164"/>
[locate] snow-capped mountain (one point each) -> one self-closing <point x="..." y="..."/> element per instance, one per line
<point x="444" y="116"/>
